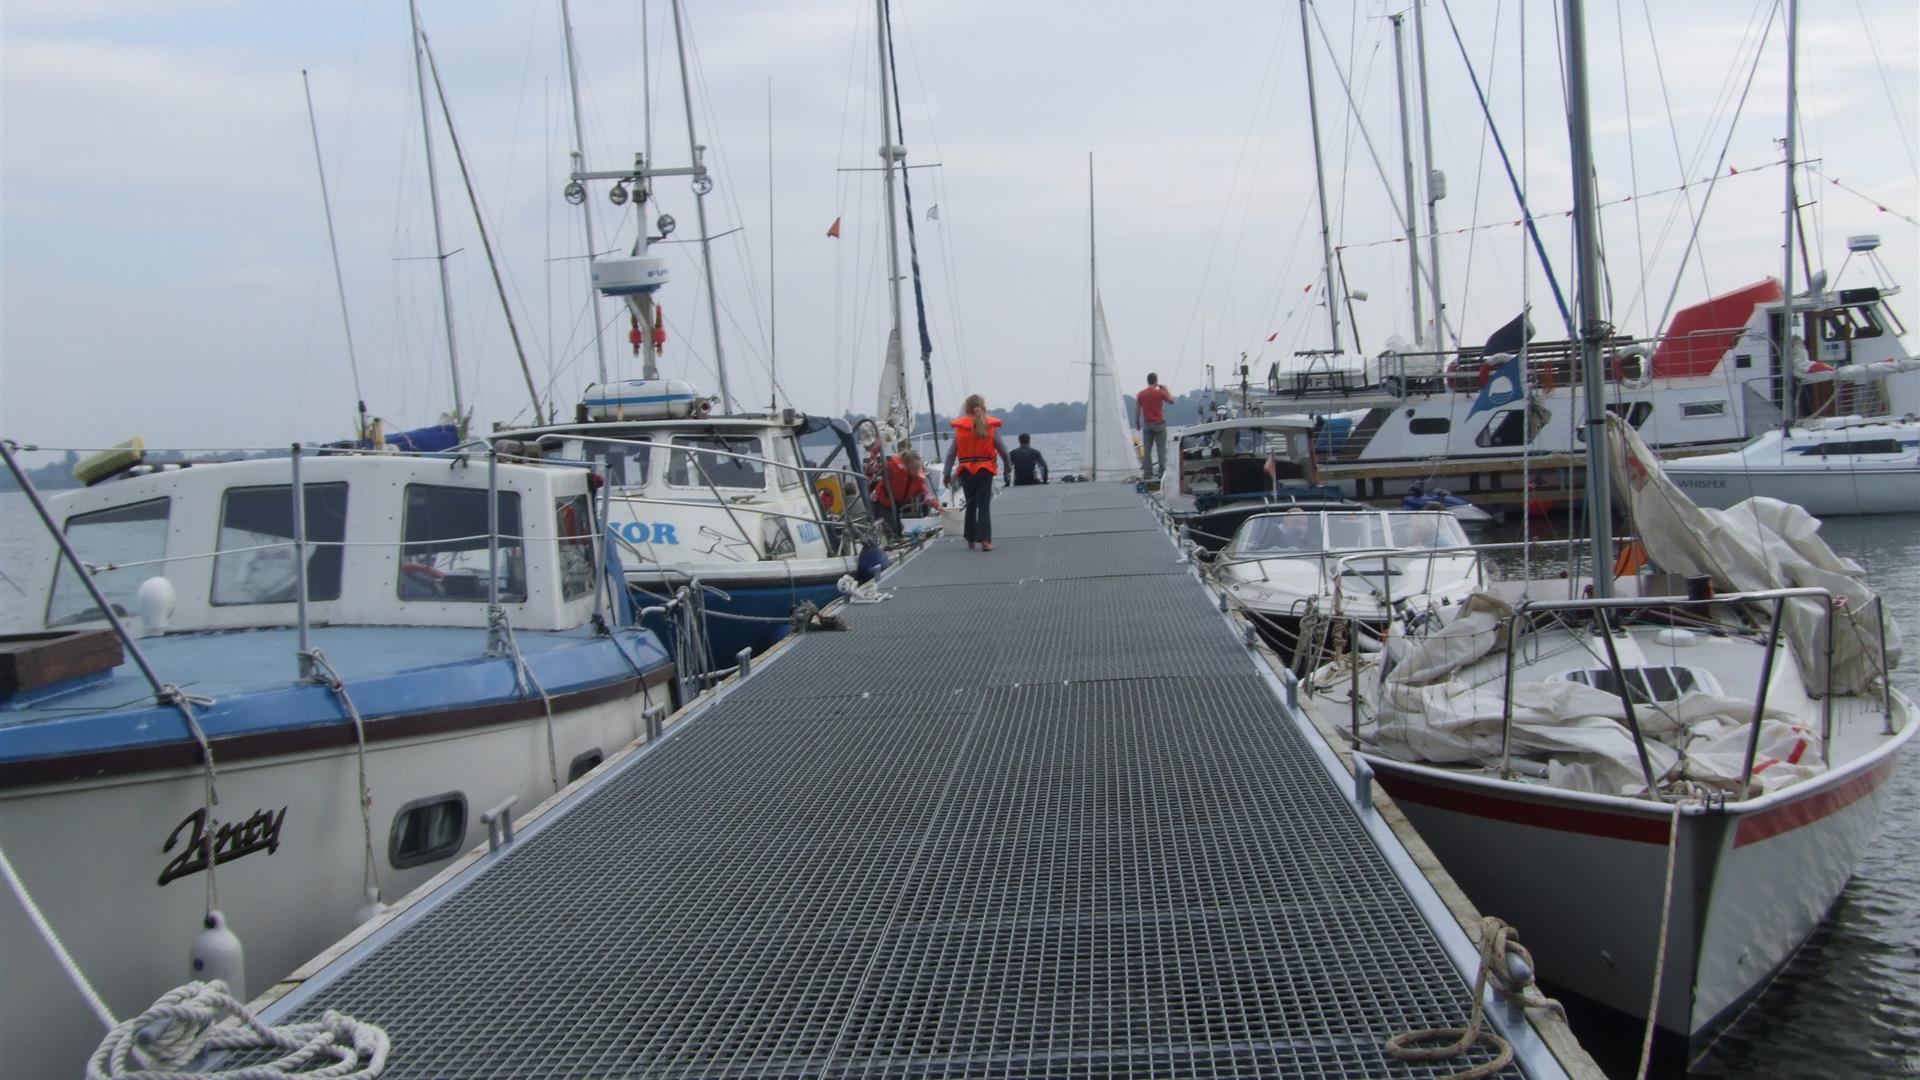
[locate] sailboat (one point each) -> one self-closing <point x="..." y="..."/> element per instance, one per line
<point x="1664" y="785"/>
<point x="1106" y="448"/>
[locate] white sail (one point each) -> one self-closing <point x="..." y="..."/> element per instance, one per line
<point x="1107" y="444"/>
<point x="894" y="413"/>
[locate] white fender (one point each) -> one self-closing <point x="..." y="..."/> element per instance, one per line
<point x="218" y="954"/>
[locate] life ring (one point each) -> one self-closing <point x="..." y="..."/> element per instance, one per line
<point x="1486" y="373"/>
<point x="1642" y="372"/>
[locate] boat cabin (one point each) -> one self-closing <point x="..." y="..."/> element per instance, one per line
<point x="389" y="540"/>
<point x="1245" y="456"/>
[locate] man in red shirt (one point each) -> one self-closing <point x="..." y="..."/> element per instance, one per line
<point x="1153" y="423"/>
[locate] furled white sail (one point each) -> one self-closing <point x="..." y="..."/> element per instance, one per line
<point x="1107" y="444"/>
<point x="894" y="414"/>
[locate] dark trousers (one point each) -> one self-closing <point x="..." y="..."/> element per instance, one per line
<point x="978" y="485"/>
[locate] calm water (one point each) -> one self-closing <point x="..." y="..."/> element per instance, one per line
<point x="1848" y="1006"/>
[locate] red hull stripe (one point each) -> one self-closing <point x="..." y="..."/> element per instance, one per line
<point x="1790" y="816"/>
<point x="1567" y="819"/>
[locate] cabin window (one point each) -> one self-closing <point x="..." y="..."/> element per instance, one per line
<point x="1430" y="425"/>
<point x="1647" y="685"/>
<point x="573" y="524"/>
<point x="786" y="453"/>
<point x="255" y="564"/>
<point x="1742" y="360"/>
<point x="720" y="461"/>
<point x="626" y="465"/>
<point x="1507" y="428"/>
<point x="583" y="764"/>
<point x="1297" y="533"/>
<point x="1693" y="410"/>
<point x="427" y="830"/>
<point x="444" y="544"/>
<point x="131" y="538"/>
<point x="1856" y="446"/>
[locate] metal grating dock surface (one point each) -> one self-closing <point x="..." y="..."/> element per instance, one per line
<point x="1087" y="841"/>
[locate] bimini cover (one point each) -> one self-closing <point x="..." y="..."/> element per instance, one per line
<point x="1758" y="544"/>
<point x="426" y="440"/>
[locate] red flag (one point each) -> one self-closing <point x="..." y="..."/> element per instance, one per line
<point x="1273" y="335"/>
<point x="833" y="230"/>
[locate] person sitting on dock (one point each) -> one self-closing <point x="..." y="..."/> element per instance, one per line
<point x="902" y="486"/>
<point x="1026" y="460"/>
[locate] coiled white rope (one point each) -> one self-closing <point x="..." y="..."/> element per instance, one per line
<point x="370" y="879"/>
<point x="191" y="1020"/>
<point x="861" y="592"/>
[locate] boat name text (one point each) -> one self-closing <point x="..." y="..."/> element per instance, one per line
<point x="219" y="841"/>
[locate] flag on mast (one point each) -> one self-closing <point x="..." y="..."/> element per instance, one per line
<point x="833" y="230"/>
<point x="933" y="212"/>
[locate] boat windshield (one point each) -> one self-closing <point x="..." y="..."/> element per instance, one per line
<point x="1427" y="529"/>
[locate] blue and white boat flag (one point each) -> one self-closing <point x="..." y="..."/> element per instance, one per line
<point x="1505" y="385"/>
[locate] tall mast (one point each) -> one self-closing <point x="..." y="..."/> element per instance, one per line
<point x="1593" y="330"/>
<point x="433" y="194"/>
<point x="480" y="226"/>
<point x="773" y="309"/>
<point x="891" y="154"/>
<point x="1436" y="182"/>
<point x="1787" y="391"/>
<point x="586" y="205"/>
<point x="1093" y="334"/>
<point x="339" y="284"/>
<point x="1320" y="183"/>
<point x="700" y="188"/>
<point x="913" y="241"/>
<point x="1406" y="169"/>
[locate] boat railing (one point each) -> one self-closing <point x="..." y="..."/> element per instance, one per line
<point x="1603" y="610"/>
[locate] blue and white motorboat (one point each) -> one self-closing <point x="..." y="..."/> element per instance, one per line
<point x="208" y="770"/>
<point x="726" y="507"/>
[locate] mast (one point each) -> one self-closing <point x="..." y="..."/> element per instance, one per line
<point x="1406" y="169"/>
<point x="913" y="243"/>
<point x="773" y="309"/>
<point x="1320" y="183"/>
<point x="586" y="206"/>
<point x="891" y="154"/>
<point x="480" y="224"/>
<point x="701" y="186"/>
<point x="433" y="193"/>
<point x="1593" y="330"/>
<point x="1436" y="181"/>
<point x="339" y="284"/>
<point x="1787" y="390"/>
<point x="1093" y="334"/>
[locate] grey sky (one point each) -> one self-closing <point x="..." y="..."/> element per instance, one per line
<point x="164" y="257"/>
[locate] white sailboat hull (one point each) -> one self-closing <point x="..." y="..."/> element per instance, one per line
<point x="91" y="854"/>
<point x="1836" y="467"/>
<point x="1582" y="877"/>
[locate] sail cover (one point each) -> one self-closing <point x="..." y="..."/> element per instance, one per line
<point x="894" y="414"/>
<point x="1107" y="444"/>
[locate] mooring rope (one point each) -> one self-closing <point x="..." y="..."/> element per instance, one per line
<point x="1497" y="942"/>
<point x="330" y="678"/>
<point x="190" y="1020"/>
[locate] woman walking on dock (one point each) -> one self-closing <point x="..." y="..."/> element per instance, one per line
<point x="976" y="455"/>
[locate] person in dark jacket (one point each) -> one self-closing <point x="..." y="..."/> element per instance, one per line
<point x="1029" y="465"/>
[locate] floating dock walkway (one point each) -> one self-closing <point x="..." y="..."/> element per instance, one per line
<point x="1043" y="813"/>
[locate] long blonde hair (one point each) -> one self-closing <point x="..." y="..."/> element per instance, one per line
<point x="976" y="402"/>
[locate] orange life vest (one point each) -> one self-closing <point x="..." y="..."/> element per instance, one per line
<point x="897" y="486"/>
<point x="974" y="452"/>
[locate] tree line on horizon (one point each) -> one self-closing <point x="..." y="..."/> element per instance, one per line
<point x="1059" y="416"/>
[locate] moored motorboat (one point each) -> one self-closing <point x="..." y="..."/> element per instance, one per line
<point x="318" y="699"/>
<point x="1226" y="471"/>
